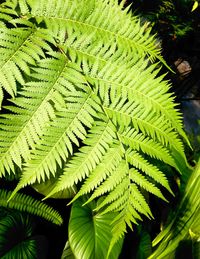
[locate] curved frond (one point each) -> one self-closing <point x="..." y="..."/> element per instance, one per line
<point x="135" y="159"/>
<point x="19" y="48"/>
<point x="56" y="145"/>
<point x="33" y="109"/>
<point x="86" y="161"/>
<point x="185" y="219"/>
<point x="26" y="203"/>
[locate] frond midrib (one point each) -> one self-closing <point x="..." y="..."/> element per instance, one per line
<point x="54" y="146"/>
<point x="28" y="122"/>
<point x="135" y="90"/>
<point x="162" y="133"/>
<point x="116" y="35"/>
<point x="172" y="163"/>
<point x="19" y="47"/>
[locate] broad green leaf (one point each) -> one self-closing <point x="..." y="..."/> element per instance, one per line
<point x="90" y="233"/>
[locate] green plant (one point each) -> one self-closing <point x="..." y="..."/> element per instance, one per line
<point x="16" y="237"/>
<point x="171" y="19"/>
<point x="90" y="233"/>
<point x="26" y="203"/>
<point x="184" y="223"/>
<point x="83" y="100"/>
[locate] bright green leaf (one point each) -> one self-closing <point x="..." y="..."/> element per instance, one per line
<point x="90" y="233"/>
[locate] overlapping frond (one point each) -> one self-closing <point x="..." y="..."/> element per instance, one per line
<point x="21" y="129"/>
<point x="86" y="160"/>
<point x="105" y="17"/>
<point x="87" y="101"/>
<point x="149" y="123"/>
<point x="138" y="161"/>
<point x="105" y="67"/>
<point x="137" y="141"/>
<point x="108" y="164"/>
<point x="56" y="145"/>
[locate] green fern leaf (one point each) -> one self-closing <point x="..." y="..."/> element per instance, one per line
<point x="126" y="113"/>
<point x="89" y="102"/>
<point x="110" y="183"/>
<point x="89" y="157"/>
<point x="67" y="129"/>
<point x="140" y="180"/>
<point x="108" y="164"/>
<point x="101" y="17"/>
<point x="32" y="115"/>
<point x="26" y="203"/>
<point x="135" y="159"/>
<point x="139" y="142"/>
<point x="19" y="48"/>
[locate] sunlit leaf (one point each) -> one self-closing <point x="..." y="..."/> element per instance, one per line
<point x="90" y="233"/>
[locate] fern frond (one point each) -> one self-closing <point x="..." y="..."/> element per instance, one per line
<point x="123" y="112"/>
<point x="105" y="17"/>
<point x="115" y="200"/>
<point x="19" y="48"/>
<point x="135" y="159"/>
<point x="129" y="205"/>
<point x="127" y="214"/>
<point x="140" y="180"/>
<point x="22" y="129"/>
<point x="137" y="141"/>
<point x="56" y="145"/>
<point x="26" y="203"/>
<point x="89" y="102"/>
<point x="86" y="161"/>
<point x="122" y="195"/>
<point x="108" y="164"/>
<point x="103" y="70"/>
<point x="111" y="182"/>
